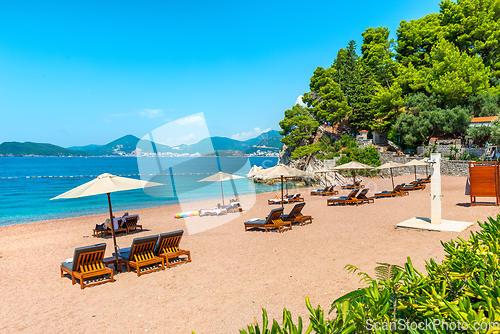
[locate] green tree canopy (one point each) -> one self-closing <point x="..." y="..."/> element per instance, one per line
<point x="474" y="27"/>
<point x="416" y="39"/>
<point x="389" y="103"/>
<point x="347" y="70"/>
<point x="455" y="75"/>
<point x="327" y="100"/>
<point x="486" y="104"/>
<point x="362" y="116"/>
<point x="425" y="118"/>
<point x="495" y="132"/>
<point x="299" y="126"/>
<point x="378" y="55"/>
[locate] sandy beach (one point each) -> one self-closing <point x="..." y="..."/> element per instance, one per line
<point x="233" y="273"/>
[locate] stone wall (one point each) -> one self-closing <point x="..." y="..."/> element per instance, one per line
<point x="448" y="167"/>
<point x="330" y="163"/>
<point x="445" y="150"/>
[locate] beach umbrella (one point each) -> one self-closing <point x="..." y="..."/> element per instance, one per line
<point x="219" y="177"/>
<point x="282" y="172"/>
<point x="106" y="184"/>
<point x="416" y="163"/>
<point x="353" y="166"/>
<point x="390" y="165"/>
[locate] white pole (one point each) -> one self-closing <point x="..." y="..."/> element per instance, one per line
<point x="436" y="189"/>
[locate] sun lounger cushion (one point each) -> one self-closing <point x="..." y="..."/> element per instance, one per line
<point x="86" y="249"/>
<point x="384" y="192"/>
<point x="256" y="222"/>
<point x="278" y="200"/>
<point x="338" y="198"/>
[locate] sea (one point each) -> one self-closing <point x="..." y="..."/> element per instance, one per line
<point x="27" y="184"/>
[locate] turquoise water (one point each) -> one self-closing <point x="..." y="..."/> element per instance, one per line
<point x="27" y="184"/>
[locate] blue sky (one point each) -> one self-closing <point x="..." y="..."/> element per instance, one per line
<point x="91" y="72"/>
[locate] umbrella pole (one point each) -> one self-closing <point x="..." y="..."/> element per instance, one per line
<point x="282" y="203"/>
<point x="415" y="172"/>
<point x="113" y="232"/>
<point x="392" y="178"/>
<point x="222" y="191"/>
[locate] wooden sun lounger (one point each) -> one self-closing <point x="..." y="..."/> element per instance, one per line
<point x="349" y="199"/>
<point x="126" y="224"/>
<point x="356" y="185"/>
<point x="328" y="191"/>
<point x="277" y="201"/>
<point x="415" y="185"/>
<point x="295" y="198"/>
<point x="130" y="223"/>
<point x="318" y="192"/>
<point x="234" y="207"/>
<point x="273" y="221"/>
<point x="87" y="264"/>
<point x="362" y="197"/>
<point x="167" y="247"/>
<point x="398" y="191"/>
<point x="425" y="180"/>
<point x="212" y="212"/>
<point x="140" y="254"/>
<point x="296" y="216"/>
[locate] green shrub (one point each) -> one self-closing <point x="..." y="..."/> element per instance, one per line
<point x="464" y="289"/>
<point x="368" y="155"/>
<point x="302" y="151"/>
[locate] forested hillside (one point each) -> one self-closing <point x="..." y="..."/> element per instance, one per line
<point x="442" y="70"/>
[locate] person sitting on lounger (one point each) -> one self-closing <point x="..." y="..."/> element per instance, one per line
<point x="108" y="224"/>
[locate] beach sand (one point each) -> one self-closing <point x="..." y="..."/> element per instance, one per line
<point x="233" y="273"/>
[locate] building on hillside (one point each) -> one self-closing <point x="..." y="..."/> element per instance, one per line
<point x="379" y="138"/>
<point x="363" y="135"/>
<point x="482" y="121"/>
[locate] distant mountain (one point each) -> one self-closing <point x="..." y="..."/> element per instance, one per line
<point x="266" y="135"/>
<point x="267" y="142"/>
<point x="36" y="149"/>
<point x="85" y="148"/>
<point x="123" y="145"/>
<point x="218" y="144"/>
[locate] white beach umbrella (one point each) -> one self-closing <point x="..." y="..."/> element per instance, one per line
<point x="353" y="166"/>
<point x="416" y="163"/>
<point x="390" y="165"/>
<point x="282" y="172"/>
<point x="219" y="177"/>
<point x="106" y="184"/>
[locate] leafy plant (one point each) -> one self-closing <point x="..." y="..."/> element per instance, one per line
<point x="464" y="288"/>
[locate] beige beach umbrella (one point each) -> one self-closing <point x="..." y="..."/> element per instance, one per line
<point x="353" y="166"/>
<point x="390" y="165"/>
<point x="282" y="172"/>
<point x="106" y="184"/>
<point x="219" y="177"/>
<point x="416" y="163"/>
